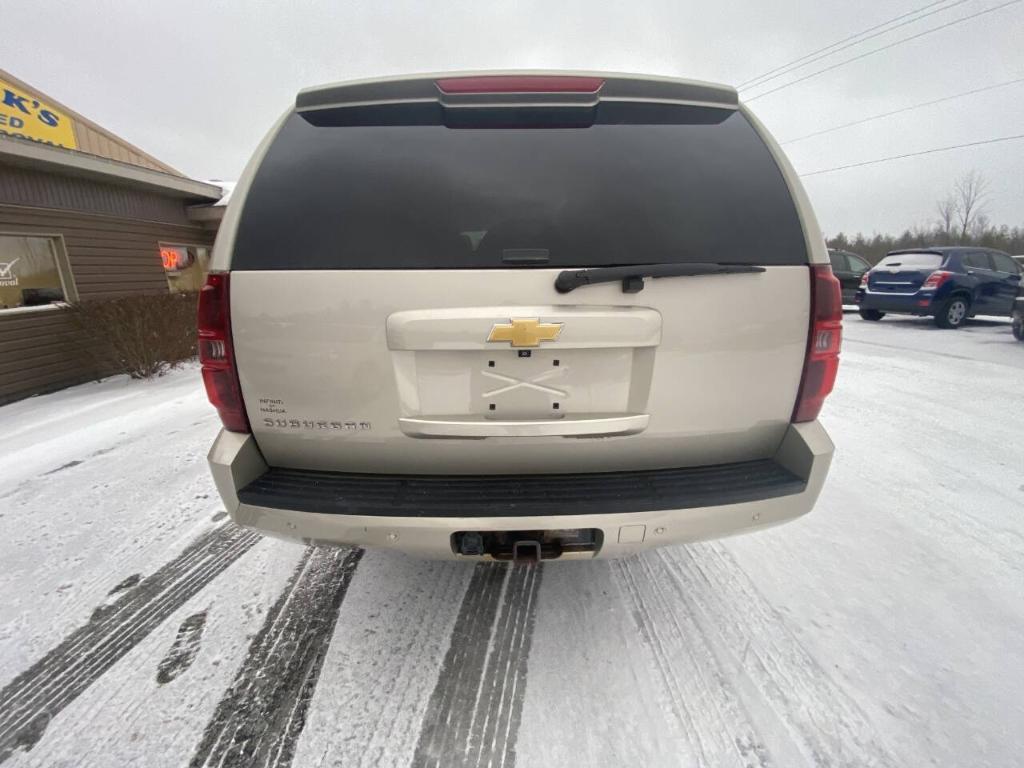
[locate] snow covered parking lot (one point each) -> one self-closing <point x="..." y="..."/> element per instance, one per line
<point x="139" y="627"/>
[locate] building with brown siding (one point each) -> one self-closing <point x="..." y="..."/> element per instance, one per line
<point x="83" y="215"/>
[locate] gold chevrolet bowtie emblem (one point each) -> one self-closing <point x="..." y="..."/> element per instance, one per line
<point x="525" y="332"/>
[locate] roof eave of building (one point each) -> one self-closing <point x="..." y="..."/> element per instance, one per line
<point x="207" y="216"/>
<point x="26" y="153"/>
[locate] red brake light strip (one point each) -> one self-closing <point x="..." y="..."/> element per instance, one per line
<point x="520" y="84"/>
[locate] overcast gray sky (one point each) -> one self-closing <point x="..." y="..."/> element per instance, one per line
<point x="198" y="83"/>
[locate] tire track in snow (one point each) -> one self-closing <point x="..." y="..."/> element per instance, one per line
<point x="261" y="716"/>
<point x="30" y="701"/>
<point x="499" y="703"/>
<point x="455" y="692"/>
<point x="474" y="712"/>
<point x="394" y="629"/>
<point x="799" y="707"/>
<point x="717" y="729"/>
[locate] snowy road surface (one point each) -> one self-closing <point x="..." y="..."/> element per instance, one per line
<point x="139" y="627"/>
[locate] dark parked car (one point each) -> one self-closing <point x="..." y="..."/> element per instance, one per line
<point x="949" y="284"/>
<point x="849" y="268"/>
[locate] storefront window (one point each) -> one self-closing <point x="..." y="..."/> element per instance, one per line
<point x="29" y="272"/>
<point x="185" y="266"/>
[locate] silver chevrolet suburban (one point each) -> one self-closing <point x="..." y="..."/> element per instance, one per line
<point x="521" y="315"/>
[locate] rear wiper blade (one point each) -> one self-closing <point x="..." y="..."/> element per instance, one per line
<point x="632" y="277"/>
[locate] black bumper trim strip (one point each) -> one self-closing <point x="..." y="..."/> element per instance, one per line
<point x="519" y="495"/>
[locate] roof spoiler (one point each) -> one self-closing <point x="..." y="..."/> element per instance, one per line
<point x="516" y="88"/>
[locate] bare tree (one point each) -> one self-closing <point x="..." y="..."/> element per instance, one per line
<point x="969" y="192"/>
<point x="979" y="227"/>
<point x="946" y="208"/>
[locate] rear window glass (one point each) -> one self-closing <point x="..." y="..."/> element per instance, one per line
<point x="857" y="264"/>
<point x="978" y="260"/>
<point x="912" y="261"/>
<point x="428" y="196"/>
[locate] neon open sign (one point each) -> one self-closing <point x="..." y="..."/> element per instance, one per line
<point x="175" y="259"/>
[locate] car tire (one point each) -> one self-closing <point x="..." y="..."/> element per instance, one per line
<point x="871" y="314"/>
<point x="1018" y="326"/>
<point x="953" y="313"/>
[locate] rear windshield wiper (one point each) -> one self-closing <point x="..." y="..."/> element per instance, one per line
<point x="632" y="277"/>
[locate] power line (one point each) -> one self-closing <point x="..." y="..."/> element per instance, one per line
<point x="873" y="51"/>
<point x="904" y="109"/>
<point x="912" y="154"/>
<point x="856" y="39"/>
<point x="800" y="59"/>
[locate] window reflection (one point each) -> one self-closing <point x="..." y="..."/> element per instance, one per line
<point x="29" y="275"/>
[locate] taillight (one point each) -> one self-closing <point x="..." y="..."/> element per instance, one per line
<point x="821" y="362"/>
<point x="864" y="280"/>
<point x="217" y="354"/>
<point x="520" y="84"/>
<point x="935" y="279"/>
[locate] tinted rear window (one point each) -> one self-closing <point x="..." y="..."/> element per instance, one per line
<point x="704" y="188"/>
<point x="912" y="261"/>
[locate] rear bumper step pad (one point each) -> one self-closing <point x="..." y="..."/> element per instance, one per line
<point x="519" y="495"/>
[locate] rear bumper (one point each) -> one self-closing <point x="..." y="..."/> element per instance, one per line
<point x="419" y="515"/>
<point x="902" y="304"/>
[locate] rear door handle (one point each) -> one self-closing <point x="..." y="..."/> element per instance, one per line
<point x="627" y="424"/>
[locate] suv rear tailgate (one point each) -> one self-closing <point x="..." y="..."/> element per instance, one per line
<point x="713" y="362"/>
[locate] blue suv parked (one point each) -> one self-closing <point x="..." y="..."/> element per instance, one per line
<point x="949" y="284"/>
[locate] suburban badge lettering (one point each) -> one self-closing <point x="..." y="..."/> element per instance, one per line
<point x="322" y="425"/>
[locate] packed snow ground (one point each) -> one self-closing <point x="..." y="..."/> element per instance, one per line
<point x="139" y="627"/>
